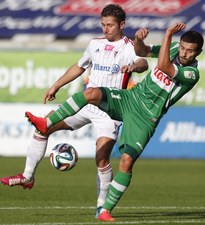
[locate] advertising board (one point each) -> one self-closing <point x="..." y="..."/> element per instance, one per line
<point x="69" y="18"/>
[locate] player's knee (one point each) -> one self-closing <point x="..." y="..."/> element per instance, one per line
<point x="93" y="95"/>
<point x="126" y="163"/>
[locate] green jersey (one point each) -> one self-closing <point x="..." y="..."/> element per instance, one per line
<point x="141" y="107"/>
<point x="157" y="92"/>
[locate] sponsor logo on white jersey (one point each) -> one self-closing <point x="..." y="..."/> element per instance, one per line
<point x="101" y="67"/>
<point x="109" y="47"/>
<point x="114" y="69"/>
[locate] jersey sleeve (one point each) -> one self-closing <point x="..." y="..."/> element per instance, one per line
<point x="155" y="50"/>
<point x="85" y="61"/>
<point x="186" y="75"/>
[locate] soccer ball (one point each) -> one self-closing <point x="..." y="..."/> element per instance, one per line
<point x="63" y="157"/>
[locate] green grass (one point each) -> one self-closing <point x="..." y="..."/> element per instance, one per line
<point x="161" y="192"/>
<point x="44" y="65"/>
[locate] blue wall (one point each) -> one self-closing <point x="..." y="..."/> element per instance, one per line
<point x="180" y="134"/>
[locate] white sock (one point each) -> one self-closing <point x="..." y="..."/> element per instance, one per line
<point x="48" y="122"/>
<point x="104" y="179"/>
<point x="36" y="151"/>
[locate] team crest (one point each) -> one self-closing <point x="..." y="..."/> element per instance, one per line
<point x="189" y="75"/>
<point x="115" y="68"/>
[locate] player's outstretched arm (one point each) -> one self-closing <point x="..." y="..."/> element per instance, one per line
<point x="71" y="74"/>
<point x="164" y="62"/>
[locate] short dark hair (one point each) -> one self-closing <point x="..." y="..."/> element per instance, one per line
<point x="114" y="10"/>
<point x="192" y="36"/>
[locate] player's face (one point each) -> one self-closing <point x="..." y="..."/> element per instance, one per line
<point x="187" y="52"/>
<point x="111" y="28"/>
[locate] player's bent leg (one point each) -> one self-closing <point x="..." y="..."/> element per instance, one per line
<point x="40" y="123"/>
<point x="37" y="149"/>
<point x="35" y="153"/>
<point x="70" y="107"/>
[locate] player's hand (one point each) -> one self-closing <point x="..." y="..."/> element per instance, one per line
<point x="176" y="28"/>
<point x="50" y="94"/>
<point x="127" y="69"/>
<point x="141" y="34"/>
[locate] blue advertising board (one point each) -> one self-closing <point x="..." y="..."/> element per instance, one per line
<point x="180" y="134"/>
<point x="69" y="18"/>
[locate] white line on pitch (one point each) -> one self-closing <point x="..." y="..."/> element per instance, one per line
<point x="122" y="222"/>
<point x="92" y="207"/>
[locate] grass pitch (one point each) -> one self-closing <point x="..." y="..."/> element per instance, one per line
<point x="161" y="192"/>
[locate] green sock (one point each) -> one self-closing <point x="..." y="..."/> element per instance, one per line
<point x="117" y="188"/>
<point x="68" y="108"/>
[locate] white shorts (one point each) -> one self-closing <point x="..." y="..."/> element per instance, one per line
<point x="104" y="126"/>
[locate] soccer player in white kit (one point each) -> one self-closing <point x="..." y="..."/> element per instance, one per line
<point x="111" y="61"/>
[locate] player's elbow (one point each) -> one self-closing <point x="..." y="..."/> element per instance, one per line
<point x="166" y="68"/>
<point x="162" y="65"/>
<point x="142" y="66"/>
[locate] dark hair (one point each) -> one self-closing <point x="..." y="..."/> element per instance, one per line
<point x="193" y="37"/>
<point x="115" y="11"/>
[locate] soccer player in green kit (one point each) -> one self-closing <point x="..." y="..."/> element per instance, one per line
<point x="141" y="107"/>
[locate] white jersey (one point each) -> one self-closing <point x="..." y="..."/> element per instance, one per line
<point x="105" y="60"/>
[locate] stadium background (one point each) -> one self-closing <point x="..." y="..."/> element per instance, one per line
<point x="40" y="39"/>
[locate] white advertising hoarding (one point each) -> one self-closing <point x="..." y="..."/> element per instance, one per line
<point x="16" y="132"/>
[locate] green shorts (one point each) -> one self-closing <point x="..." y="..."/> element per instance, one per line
<point x="137" y="129"/>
